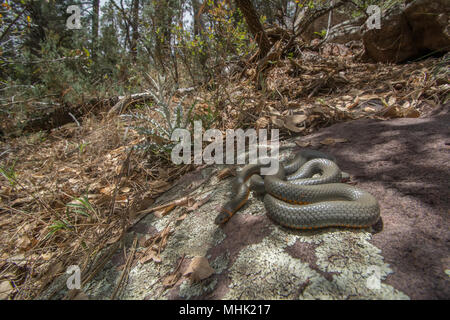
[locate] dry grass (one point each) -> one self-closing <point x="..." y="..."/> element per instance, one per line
<point x="43" y="227"/>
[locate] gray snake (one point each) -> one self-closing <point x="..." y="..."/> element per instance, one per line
<point x="296" y="199"/>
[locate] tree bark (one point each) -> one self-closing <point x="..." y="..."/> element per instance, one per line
<point x="95" y="15"/>
<point x="198" y="21"/>
<point x="134" y="29"/>
<point x="254" y="25"/>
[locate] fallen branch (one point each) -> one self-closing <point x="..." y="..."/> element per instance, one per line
<point x="309" y="20"/>
<point x="124" y="101"/>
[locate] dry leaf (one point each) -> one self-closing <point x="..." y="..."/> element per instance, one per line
<point x="276" y="121"/>
<point x="24" y="243"/>
<point x="303" y="144"/>
<point x="332" y="141"/>
<point x="5" y="289"/>
<point x="107" y="190"/>
<point x="354" y="104"/>
<point x="171" y="280"/>
<point x="224" y="173"/>
<point x="18" y="259"/>
<point x="296" y="119"/>
<point x="291" y="122"/>
<point x="411" y="113"/>
<point x="125" y="189"/>
<point x="164" y="211"/>
<point x="150" y="255"/>
<point x="159" y="185"/>
<point x="199" y="269"/>
<point x="392" y="112"/>
<point x="121" y="198"/>
<point x="392" y="100"/>
<point x="47" y="256"/>
<point x="157" y="258"/>
<point x="200" y="202"/>
<point x="262" y="122"/>
<point x="182" y="217"/>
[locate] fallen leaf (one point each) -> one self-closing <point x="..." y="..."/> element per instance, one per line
<point x="354" y="104"/>
<point x="276" y="121"/>
<point x="157" y="258"/>
<point x="200" y="202"/>
<point x="392" y="100"/>
<point x="47" y="256"/>
<point x="303" y="144"/>
<point x="411" y="113"/>
<point x="392" y="112"/>
<point x="224" y="173"/>
<point x="332" y="141"/>
<point x="121" y="198"/>
<point x="291" y="122"/>
<point x="150" y="255"/>
<point x="164" y="211"/>
<point x="171" y="280"/>
<point x="160" y="185"/>
<point x="125" y="189"/>
<point x="262" y="122"/>
<point x="107" y="190"/>
<point x="181" y="218"/>
<point x="5" y="289"/>
<point x="24" y="243"/>
<point x="18" y="259"/>
<point x="199" y="269"/>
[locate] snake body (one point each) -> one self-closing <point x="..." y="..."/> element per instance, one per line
<point x="295" y="199"/>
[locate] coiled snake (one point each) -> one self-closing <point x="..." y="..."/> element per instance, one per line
<point x="295" y="199"/>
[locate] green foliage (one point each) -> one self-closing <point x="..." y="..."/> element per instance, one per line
<point x="322" y="33"/>
<point x="224" y="33"/>
<point x="78" y="206"/>
<point x="82" y="206"/>
<point x="9" y="173"/>
<point x="171" y="117"/>
<point x="57" y="226"/>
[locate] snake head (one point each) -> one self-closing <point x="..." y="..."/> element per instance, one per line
<point x="222" y="217"/>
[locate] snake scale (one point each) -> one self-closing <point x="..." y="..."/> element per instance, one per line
<point x="296" y="198"/>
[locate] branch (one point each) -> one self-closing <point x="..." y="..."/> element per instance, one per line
<point x="308" y="20"/>
<point x="11" y="24"/>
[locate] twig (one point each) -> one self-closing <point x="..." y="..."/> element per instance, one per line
<point x="126" y="269"/>
<point x="75" y="119"/>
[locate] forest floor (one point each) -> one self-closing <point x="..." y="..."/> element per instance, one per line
<point x="70" y="192"/>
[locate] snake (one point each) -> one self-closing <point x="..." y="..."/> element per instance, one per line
<point x="305" y="193"/>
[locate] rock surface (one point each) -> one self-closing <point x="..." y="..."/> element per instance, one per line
<point x="402" y="162"/>
<point x="409" y="32"/>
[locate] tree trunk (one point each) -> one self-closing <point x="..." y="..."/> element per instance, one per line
<point x="254" y="25"/>
<point x="198" y="21"/>
<point x="134" y="29"/>
<point x="95" y="15"/>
